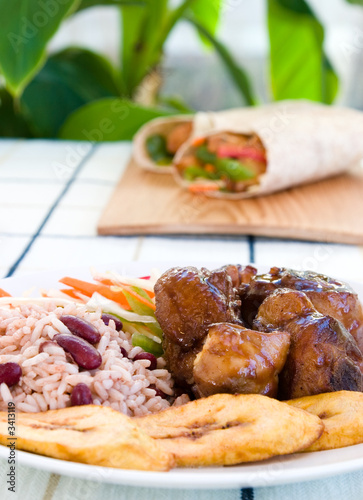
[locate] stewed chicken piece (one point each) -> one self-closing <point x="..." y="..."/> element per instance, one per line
<point x="236" y="360"/>
<point x="180" y="362"/>
<point x="188" y="301"/>
<point x="240" y="275"/>
<point x="323" y="355"/>
<point x="329" y="296"/>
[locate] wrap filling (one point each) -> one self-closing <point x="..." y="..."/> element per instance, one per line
<point x="225" y="161"/>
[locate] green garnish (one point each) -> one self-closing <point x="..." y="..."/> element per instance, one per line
<point x="193" y="172"/>
<point x="233" y="169"/>
<point x="137" y="306"/>
<point x="156" y="330"/>
<point x="156" y="147"/>
<point x="203" y="154"/>
<point x="147" y="344"/>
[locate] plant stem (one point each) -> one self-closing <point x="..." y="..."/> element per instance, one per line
<point x="239" y="76"/>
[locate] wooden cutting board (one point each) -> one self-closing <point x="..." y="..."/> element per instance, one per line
<point x="149" y="203"/>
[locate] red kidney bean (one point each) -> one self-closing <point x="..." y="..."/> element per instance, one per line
<point x="124" y="352"/>
<point x="84" y="354"/>
<point x="81" y="395"/>
<point x="106" y="318"/>
<point x="81" y="328"/>
<point x="10" y="374"/>
<point x="69" y="359"/>
<point x="47" y="343"/>
<point x="150" y="357"/>
<point x="158" y="392"/>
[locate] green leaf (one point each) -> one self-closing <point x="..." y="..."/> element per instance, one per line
<point x="175" y="103"/>
<point x="330" y="81"/>
<point x="238" y="75"/>
<point x="68" y="80"/>
<point x="133" y="20"/>
<point x="85" y="4"/>
<point x="298" y="65"/>
<point x="12" y="123"/>
<point x="107" y="120"/>
<point x="26" y="28"/>
<point x="357" y="2"/>
<point x="299" y="6"/>
<point x="207" y="13"/>
<point x="143" y="28"/>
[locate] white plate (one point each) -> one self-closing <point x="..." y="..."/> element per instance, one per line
<point x="280" y="470"/>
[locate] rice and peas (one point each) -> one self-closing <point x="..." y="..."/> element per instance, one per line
<point x="49" y="373"/>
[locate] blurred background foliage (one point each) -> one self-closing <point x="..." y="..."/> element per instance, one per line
<point x="68" y="93"/>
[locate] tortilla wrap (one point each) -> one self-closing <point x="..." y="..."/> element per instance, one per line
<point x="157" y="126"/>
<point x="202" y="123"/>
<point x="304" y="142"/>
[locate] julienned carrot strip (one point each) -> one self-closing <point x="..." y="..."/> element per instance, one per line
<point x="4" y="294"/>
<point x="70" y="292"/>
<point x="198" y="141"/>
<point x="139" y="298"/>
<point x="83" y="286"/>
<point x="150" y="294"/>
<point x="104" y="281"/>
<point x="115" y="293"/>
<point x="116" y="296"/>
<point x="201" y="188"/>
<point x="209" y="168"/>
<point x="89" y="289"/>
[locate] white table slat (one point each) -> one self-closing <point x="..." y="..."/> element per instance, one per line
<point x="60" y="252"/>
<point x="107" y="163"/>
<point x="195" y="250"/>
<point x="10" y="248"/>
<point x="77" y="489"/>
<point x="332" y="259"/>
<point x="31" y="484"/>
<point x="334" y="488"/>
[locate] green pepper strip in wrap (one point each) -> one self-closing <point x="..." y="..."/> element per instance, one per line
<point x="233" y="169"/>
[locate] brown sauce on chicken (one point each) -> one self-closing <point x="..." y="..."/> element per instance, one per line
<point x="285" y="333"/>
<point x="329" y="296"/>
<point x="323" y="355"/>
<point x="188" y="301"/>
<point x="236" y="360"/>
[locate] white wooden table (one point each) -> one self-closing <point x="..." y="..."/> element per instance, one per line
<point x="51" y="197"/>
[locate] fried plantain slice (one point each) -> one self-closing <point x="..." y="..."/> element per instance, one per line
<point x="342" y="414"/>
<point x="227" y="429"/>
<point x="90" y="434"/>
